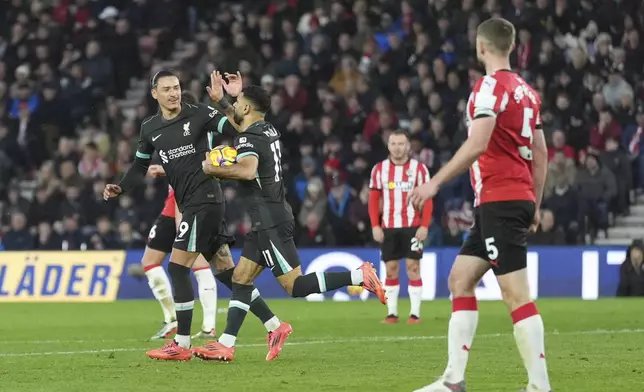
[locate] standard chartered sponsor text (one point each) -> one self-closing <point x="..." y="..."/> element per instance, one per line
<point x="181" y="151"/>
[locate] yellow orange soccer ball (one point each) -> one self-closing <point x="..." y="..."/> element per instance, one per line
<point x="223" y="156"/>
<point x="354" y="290"/>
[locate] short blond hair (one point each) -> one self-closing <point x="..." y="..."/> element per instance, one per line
<point x="499" y="33"/>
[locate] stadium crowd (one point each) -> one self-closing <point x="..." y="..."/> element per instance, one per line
<point x="342" y="74"/>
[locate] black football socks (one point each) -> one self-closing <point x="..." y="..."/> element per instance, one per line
<point x="258" y="306"/>
<point x="237" y="310"/>
<point x="320" y="282"/>
<point x="184" y="299"/>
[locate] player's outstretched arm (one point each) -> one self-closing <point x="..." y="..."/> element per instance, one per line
<point x="139" y="168"/>
<point x="244" y="170"/>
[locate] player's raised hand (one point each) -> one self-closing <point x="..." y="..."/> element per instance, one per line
<point x="234" y="84"/>
<point x="422" y="193"/>
<point x="536" y="219"/>
<point x="216" y="88"/>
<point x="155" y="171"/>
<point x="111" y="191"/>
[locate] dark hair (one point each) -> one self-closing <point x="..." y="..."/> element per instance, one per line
<point x="259" y="97"/>
<point x="401" y="132"/>
<point x="188" y="98"/>
<point x="161" y="74"/>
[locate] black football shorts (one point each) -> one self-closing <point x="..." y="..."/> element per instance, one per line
<point x="273" y="248"/>
<point x="401" y="244"/>
<point x="500" y="234"/>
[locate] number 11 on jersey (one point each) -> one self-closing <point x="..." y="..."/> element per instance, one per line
<point x="277" y="157"/>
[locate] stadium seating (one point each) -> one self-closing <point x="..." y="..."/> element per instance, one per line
<point x="343" y="75"/>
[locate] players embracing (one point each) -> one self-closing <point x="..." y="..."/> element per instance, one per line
<point x="400" y="229"/>
<point x="507" y="157"/>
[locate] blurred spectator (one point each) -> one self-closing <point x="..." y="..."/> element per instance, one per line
<point x="616" y="160"/>
<point x="316" y="233"/>
<point x="631" y="273"/>
<point x="561" y="172"/>
<point x="547" y="232"/>
<point x="453" y="233"/>
<point x="18" y="236"/>
<point x="104" y="238"/>
<point x="47" y="238"/>
<point x="606" y="128"/>
<point x="559" y="145"/>
<point x="72" y="236"/>
<point x="314" y="202"/>
<point x="596" y="188"/>
<point x="563" y="202"/>
<point x="127" y="238"/>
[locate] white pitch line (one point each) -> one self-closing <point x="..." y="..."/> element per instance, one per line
<point x="331" y="341"/>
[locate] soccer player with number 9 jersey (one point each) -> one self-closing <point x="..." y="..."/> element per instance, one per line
<point x="507" y="157"/>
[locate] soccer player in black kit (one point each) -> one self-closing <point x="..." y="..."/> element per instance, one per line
<point x="180" y="134"/>
<point x="270" y="243"/>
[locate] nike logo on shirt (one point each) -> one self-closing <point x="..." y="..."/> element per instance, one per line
<point x="156" y="137"/>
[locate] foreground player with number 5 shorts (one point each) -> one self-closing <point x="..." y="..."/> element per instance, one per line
<point x="506" y="153"/>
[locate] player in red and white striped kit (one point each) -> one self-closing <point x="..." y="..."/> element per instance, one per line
<point x="160" y="240"/>
<point x="507" y="156"/>
<point x="400" y="229"/>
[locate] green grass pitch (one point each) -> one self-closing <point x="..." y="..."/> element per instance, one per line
<point x="593" y="346"/>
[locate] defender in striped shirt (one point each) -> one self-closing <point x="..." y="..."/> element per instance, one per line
<point x="400" y="228"/>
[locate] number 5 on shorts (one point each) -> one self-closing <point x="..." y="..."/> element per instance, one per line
<point x="492" y="250"/>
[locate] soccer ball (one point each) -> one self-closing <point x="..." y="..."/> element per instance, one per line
<point x="223" y="156"/>
<point x="354" y="290"/>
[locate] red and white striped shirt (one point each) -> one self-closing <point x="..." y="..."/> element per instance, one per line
<point x="395" y="182"/>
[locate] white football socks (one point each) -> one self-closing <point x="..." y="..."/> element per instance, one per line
<point x="529" y="336"/>
<point x="392" y="290"/>
<point x="415" y="290"/>
<point x="462" y="327"/>
<point x="207" y="287"/>
<point x="162" y="289"/>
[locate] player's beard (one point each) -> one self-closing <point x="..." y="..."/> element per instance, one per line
<point x="238" y="118"/>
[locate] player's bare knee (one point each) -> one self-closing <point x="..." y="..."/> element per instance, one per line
<point x="413" y="269"/>
<point x="515" y="289"/>
<point x="223" y="259"/>
<point x="393" y="269"/>
<point x="460" y="284"/>
<point x="240" y="276"/>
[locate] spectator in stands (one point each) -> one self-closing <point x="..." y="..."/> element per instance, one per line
<point x="595" y="186"/>
<point x="559" y="145"/>
<point x="316" y="233"/>
<point x="563" y="202"/>
<point x="617" y="161"/>
<point x="127" y="238"/>
<point x="547" y="232"/>
<point x="314" y="202"/>
<point x="47" y="239"/>
<point x="631" y="273"/>
<point x="561" y="170"/>
<point x="18" y="237"/>
<point x="72" y="236"/>
<point x="341" y="76"/>
<point x="453" y="233"/>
